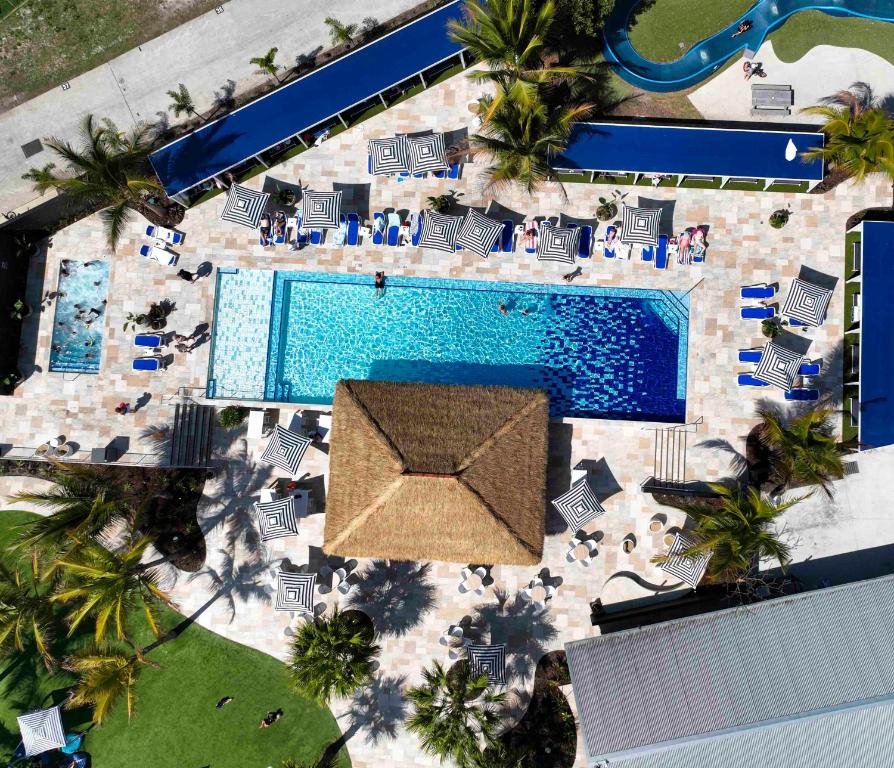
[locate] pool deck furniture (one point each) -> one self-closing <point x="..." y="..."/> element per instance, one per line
<point x="810" y="369"/>
<point x="751" y="355"/>
<point x="775" y="100"/>
<point x="802" y="395"/>
<point x="473" y="581"/>
<point x="747" y="380"/>
<point x="757" y="291"/>
<point x="257" y="424"/>
<point x="170" y="236"/>
<point x="151" y="340"/>
<point x="352" y="234"/>
<point x="378" y="228"/>
<point x="757" y="313"/>
<point x="661" y="258"/>
<point x="160" y="255"/>
<point x="581" y="552"/>
<point x="154" y="363"/>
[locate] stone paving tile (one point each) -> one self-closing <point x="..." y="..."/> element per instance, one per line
<point x="743" y="249"/>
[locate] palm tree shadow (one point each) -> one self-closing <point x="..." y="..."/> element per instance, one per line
<point x="234" y="581"/>
<point x="395" y="594"/>
<point x="378" y="708"/>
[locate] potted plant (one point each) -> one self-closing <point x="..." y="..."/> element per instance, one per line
<point x="439" y="203"/>
<point x="133" y="321"/>
<point x="285" y="196"/>
<point x="8" y="382"/>
<point x="19" y="311"/>
<point x="608" y="207"/>
<point x="779" y="218"/>
<point x="232" y="416"/>
<point x="770" y="328"/>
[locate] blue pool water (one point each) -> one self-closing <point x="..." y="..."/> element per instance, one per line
<point x="78" y="331"/>
<point x="708" y="55"/>
<point x="599" y="352"/>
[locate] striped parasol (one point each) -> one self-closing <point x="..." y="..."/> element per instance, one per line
<point x="427" y="153"/>
<point x="276" y="519"/>
<point x="778" y="365"/>
<point x="388" y="156"/>
<point x="489" y="660"/>
<point x="320" y="210"/>
<point x="579" y="505"/>
<point x="41" y="731"/>
<point x="558" y="244"/>
<point x="640" y="225"/>
<point x="285" y="449"/>
<point x="439" y="231"/>
<point x="807" y="302"/>
<point x="244" y="206"/>
<point x="295" y="591"/>
<point x="478" y="233"/>
<point x="687" y="569"/>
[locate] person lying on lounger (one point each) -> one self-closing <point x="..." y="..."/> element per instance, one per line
<point x="683" y="247"/>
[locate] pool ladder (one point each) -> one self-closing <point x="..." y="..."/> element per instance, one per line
<point x="669" y="458"/>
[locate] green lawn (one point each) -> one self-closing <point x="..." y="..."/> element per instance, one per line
<point x="807" y="29"/>
<point x="176" y="724"/>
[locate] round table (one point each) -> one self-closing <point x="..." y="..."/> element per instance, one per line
<point x="473" y="581"/>
<point x="581" y="552"/>
<point x="538" y="594"/>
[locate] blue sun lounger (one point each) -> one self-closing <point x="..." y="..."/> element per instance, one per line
<point x="352" y="236"/>
<point x="757" y="291"/>
<point x="153" y="340"/>
<point x="750" y="355"/>
<point x="170" y="236"/>
<point x="796" y="323"/>
<point x="747" y="380"/>
<point x="415" y="228"/>
<point x="758" y="313"/>
<point x="500" y="242"/>
<point x="802" y="395"/>
<point x="316" y="236"/>
<point x="378" y="228"/>
<point x="453" y="171"/>
<point x="585" y="244"/>
<point x="809" y="369"/>
<point x="648" y="252"/>
<point x="147" y="364"/>
<point x="661" y="253"/>
<point x="609" y="250"/>
<point x="393" y="235"/>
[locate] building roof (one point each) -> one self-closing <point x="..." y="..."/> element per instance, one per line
<point x="671" y="688"/>
<point x="436" y="472"/>
<point x="307" y="102"/>
<point x="692" y="151"/>
<point x="877" y="335"/>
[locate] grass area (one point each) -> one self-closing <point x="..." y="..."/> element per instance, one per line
<point x="808" y="29"/>
<point x="44" y="43"/>
<point x="801" y="186"/>
<point x="8" y="6"/>
<point x="701" y="183"/>
<point x="658" y="31"/>
<point x="176" y="724"/>
<point x="637" y="103"/>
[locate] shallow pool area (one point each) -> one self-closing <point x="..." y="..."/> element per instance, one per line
<point x="599" y="352"/>
<point x="79" y="316"/>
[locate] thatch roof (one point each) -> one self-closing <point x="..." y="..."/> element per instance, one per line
<point x="435" y="472"/>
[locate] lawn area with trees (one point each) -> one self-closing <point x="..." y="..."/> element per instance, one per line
<point x="807" y="29"/>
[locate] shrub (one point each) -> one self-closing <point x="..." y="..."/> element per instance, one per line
<point x="770" y="329"/>
<point x="778" y="219"/>
<point x="232" y="416"/>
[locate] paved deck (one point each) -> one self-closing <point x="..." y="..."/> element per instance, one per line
<point x="743" y="249"/>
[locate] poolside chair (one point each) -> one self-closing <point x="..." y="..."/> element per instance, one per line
<point x="378" y="229"/>
<point x="317" y="236"/>
<point x="751" y="355"/>
<point x="810" y="369"/>
<point x="531" y="247"/>
<point x="747" y="380"/>
<point x="352" y="236"/>
<point x="160" y="255"/>
<point x="795" y="323"/>
<point x="393" y="232"/>
<point x="758" y="291"/>
<point x="648" y="252"/>
<point x="280" y="238"/>
<point x="153" y="340"/>
<point x="611" y="240"/>
<point x="154" y="363"/>
<point x="453" y="172"/>
<point x="415" y="228"/>
<point x="802" y="395"/>
<point x="661" y="253"/>
<point x="301" y="235"/>
<point x="163" y="233"/>
<point x="758" y="313"/>
<point x="507" y="238"/>
<point x="586" y="241"/>
<point x="291" y="228"/>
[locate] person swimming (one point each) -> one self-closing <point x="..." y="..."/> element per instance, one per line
<point x="380" y="284"/>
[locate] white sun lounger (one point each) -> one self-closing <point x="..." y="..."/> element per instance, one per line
<point x="163" y="257"/>
<point x="163" y="233"/>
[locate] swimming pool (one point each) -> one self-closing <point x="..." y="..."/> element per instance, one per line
<point x="599" y="352"/>
<point x="80" y="316"/>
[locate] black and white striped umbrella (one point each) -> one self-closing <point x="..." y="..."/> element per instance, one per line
<point x="41" y="731"/>
<point x="295" y="591"/>
<point x="478" y="233"/>
<point x="807" y="302"/>
<point x="558" y="244"/>
<point x="427" y="153"/>
<point x="778" y="365"/>
<point x="276" y="519"/>
<point x="488" y="660"/>
<point x="439" y="231"/>
<point x="579" y="505"/>
<point x="640" y="225"/>
<point x="388" y="156"/>
<point x="320" y="210"/>
<point x="687" y="569"/>
<point x="285" y="449"/>
<point x="244" y="206"/>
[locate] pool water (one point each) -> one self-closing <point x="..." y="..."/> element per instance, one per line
<point x="80" y="316"/>
<point x="599" y="352"/>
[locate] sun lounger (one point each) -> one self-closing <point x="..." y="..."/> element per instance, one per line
<point x="301" y="236"/>
<point x="758" y="313"/>
<point x="531" y="241"/>
<point x="796" y="323"/>
<point x="153" y="340"/>
<point x="163" y="233"/>
<point x="750" y="355"/>
<point x="507" y="238"/>
<point x="291" y="228"/>
<point x="622" y="250"/>
<point x="163" y="257"/>
<point x="802" y="395"/>
<point x="316" y="237"/>
<point x="747" y="380"/>
<point x="378" y="228"/>
<point x="280" y="238"/>
<point x="353" y="234"/>
<point x="453" y="171"/>
<point x="661" y="253"/>
<point x="415" y="228"/>
<point x="154" y="363"/>
<point x="393" y="236"/>
<point x="810" y="369"/>
<point x="758" y="291"/>
<point x="648" y="252"/>
<point x="611" y="241"/>
<point x="585" y="242"/>
<point x="698" y="247"/>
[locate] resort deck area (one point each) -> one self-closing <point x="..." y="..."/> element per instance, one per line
<point x="743" y="249"/>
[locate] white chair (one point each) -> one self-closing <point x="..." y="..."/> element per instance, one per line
<point x="256" y="424"/>
<point x="267" y="495"/>
<point x="452" y="636"/>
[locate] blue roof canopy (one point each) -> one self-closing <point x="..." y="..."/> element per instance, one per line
<point x="307" y="102"/>
<point x="877" y="335"/>
<point x="735" y="152"/>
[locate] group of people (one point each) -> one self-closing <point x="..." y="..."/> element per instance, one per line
<point x="269" y="719"/>
<point x="273" y="230"/>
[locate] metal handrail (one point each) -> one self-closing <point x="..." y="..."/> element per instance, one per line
<point x="80" y="456"/>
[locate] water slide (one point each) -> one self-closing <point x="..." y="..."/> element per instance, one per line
<point x="705" y="57"/>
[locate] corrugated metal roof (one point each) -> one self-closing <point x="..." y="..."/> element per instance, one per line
<point x="734" y="669"/>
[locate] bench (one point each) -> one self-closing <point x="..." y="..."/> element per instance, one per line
<point x="771" y="99"/>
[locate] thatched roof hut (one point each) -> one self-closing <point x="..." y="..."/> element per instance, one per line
<point x="435" y="472"/>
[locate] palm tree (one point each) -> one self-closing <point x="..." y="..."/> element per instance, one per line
<point x="858" y="99"/>
<point x="110" y="171"/>
<point x="741" y="531"/>
<point x="803" y="450"/>
<point x="104" y="676"/>
<point x="340" y="33"/>
<point x="182" y="103"/>
<point x="106" y="586"/>
<point x="25" y="614"/>
<point x="84" y="503"/>
<point x="454" y="713"/>
<point x="332" y="657"/>
<point x="521" y="140"/>
<point x="266" y="65"/>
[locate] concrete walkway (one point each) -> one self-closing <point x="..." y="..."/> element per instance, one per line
<point x="209" y="54"/>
